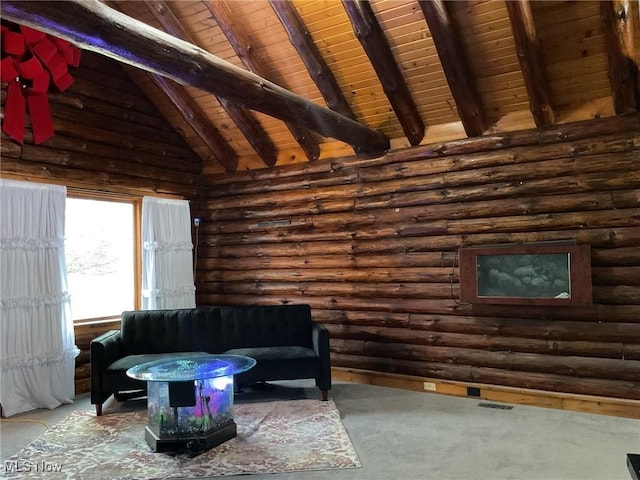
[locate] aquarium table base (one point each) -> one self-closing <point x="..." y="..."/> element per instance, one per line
<point x="190" y="400"/>
<point x="194" y="443"/>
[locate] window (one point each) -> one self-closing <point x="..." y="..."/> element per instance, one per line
<point x="102" y="255"/>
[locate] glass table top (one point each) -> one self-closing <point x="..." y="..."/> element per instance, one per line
<point x="191" y="366"/>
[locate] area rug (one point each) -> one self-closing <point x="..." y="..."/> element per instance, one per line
<point x="273" y="437"/>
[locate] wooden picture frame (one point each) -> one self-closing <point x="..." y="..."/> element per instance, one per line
<point x="526" y="274"/>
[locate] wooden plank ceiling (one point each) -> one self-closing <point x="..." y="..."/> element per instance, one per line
<point x="416" y="71"/>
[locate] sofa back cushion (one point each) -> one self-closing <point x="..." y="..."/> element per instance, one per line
<point x="215" y="329"/>
<point x="175" y="330"/>
<point x="265" y="326"/>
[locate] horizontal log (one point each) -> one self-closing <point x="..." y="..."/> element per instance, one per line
<point x="499" y="160"/>
<point x="95" y="133"/>
<point x="397" y="260"/>
<point x="406" y="275"/>
<point x="106" y="108"/>
<point x="95" y="328"/>
<point x="560" y="184"/>
<point x="578" y="327"/>
<point x="561" y="383"/>
<point x="267" y="244"/>
<point x="103" y="165"/>
<point x="94" y="180"/>
<point x="350" y="317"/>
<point x="130" y="127"/>
<point x="83" y="386"/>
<point x="618" y="294"/>
<point x="83" y="371"/>
<point x="341" y="303"/>
<point x="574" y="366"/>
<point x="83" y="357"/>
<point x="600" y="313"/>
<point x="342" y="289"/>
<point x="98" y="70"/>
<point x="86" y="84"/>
<point x="615" y="256"/>
<point x="616" y="275"/>
<point x="487" y="342"/>
<point x="137" y="157"/>
<point x="594" y="219"/>
<point x="548" y="382"/>
<point x="10" y="148"/>
<point x="212" y="214"/>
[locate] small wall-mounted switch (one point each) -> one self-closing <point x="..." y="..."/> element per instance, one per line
<point x="196" y="221"/>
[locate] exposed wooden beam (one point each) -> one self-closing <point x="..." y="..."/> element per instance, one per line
<point x="375" y="44"/>
<point x="531" y="64"/>
<point x="623" y="68"/>
<point x="196" y="118"/>
<point x="244" y="120"/>
<point x="252" y="130"/>
<point x="245" y="49"/>
<point x="213" y="140"/>
<point x="317" y="67"/>
<point x="455" y="66"/>
<point x="91" y="25"/>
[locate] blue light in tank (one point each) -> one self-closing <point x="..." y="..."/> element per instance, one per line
<point x="220" y="383"/>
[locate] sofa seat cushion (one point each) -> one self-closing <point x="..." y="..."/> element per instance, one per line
<point x="274" y="353"/>
<point x="277" y="363"/>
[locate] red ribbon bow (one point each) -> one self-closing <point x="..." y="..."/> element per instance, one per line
<point x="31" y="60"/>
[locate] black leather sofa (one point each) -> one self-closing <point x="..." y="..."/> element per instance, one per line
<point x="286" y="343"/>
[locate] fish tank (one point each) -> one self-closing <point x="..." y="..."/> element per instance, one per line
<point x="189" y="409"/>
<point x="528" y="274"/>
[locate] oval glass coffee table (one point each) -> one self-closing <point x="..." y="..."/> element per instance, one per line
<point x="190" y="400"/>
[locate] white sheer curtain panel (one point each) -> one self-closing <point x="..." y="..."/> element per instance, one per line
<point x="167" y="261"/>
<point x="37" y="348"/>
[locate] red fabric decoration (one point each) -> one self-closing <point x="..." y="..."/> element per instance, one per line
<point x="31" y="62"/>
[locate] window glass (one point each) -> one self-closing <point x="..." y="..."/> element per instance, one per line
<point x="99" y="249"/>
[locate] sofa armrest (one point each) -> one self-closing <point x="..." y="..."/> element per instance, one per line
<point x="104" y="350"/>
<point x="320" y="340"/>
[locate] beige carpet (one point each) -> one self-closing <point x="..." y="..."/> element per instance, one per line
<point x="273" y="437"/>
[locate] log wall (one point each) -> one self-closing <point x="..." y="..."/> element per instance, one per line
<point x="371" y="244"/>
<point x="109" y="138"/>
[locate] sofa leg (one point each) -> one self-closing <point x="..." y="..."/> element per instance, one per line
<point x="98" y="409"/>
<point x="325" y="395"/>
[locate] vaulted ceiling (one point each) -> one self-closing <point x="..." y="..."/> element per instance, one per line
<point x="359" y="76"/>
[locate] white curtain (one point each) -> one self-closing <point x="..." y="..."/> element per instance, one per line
<point x="37" y="356"/>
<point x="167" y="262"/>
